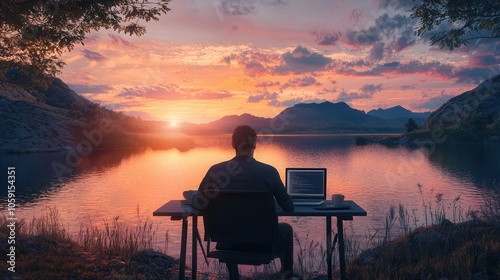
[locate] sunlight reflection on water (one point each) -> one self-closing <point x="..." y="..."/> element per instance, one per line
<point x="132" y="185"/>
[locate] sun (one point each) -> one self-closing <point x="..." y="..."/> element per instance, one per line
<point x="173" y="123"/>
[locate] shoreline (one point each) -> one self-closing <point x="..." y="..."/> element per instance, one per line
<point x="184" y="142"/>
<point x="444" y="245"/>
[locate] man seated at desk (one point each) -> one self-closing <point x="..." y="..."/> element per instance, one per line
<point x="243" y="172"/>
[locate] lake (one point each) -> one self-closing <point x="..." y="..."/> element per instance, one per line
<point x="129" y="184"/>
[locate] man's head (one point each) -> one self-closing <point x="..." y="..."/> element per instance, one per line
<point x="244" y="140"/>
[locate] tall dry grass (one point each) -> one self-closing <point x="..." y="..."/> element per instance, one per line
<point x="116" y="238"/>
<point x="444" y="241"/>
<point x="110" y="238"/>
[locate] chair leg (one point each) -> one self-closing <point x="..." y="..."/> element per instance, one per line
<point x="286" y="258"/>
<point x="232" y="268"/>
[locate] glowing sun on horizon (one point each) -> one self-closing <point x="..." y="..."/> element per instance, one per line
<point x="173" y="123"/>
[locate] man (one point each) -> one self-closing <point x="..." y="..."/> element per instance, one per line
<point x="243" y="172"/>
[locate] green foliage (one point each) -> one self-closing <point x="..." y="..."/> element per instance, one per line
<point x="457" y="22"/>
<point x="34" y="33"/>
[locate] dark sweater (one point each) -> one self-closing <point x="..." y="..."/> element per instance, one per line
<point x="245" y="173"/>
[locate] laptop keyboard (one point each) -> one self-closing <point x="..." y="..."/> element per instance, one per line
<point x="305" y="202"/>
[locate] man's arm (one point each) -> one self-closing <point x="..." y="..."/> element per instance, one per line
<point x="199" y="200"/>
<point x="279" y="191"/>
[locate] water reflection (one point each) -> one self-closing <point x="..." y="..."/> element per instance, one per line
<point x="476" y="163"/>
<point x="127" y="184"/>
<point x="41" y="174"/>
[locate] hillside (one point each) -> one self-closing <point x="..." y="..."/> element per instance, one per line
<point x="471" y="116"/>
<point x="30" y="125"/>
<point x="398" y="112"/>
<point x="225" y="124"/>
<point x="326" y="117"/>
<point x="58" y="119"/>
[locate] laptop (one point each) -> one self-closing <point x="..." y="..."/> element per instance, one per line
<point x="306" y="186"/>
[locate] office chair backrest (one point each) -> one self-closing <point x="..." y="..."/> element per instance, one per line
<point x="241" y="217"/>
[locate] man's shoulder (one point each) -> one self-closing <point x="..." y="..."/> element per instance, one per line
<point x="225" y="165"/>
<point x="236" y="162"/>
<point x="266" y="166"/>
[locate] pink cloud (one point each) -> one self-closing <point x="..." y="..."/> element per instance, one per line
<point x="266" y="84"/>
<point x="434" y="68"/>
<point x="327" y="38"/>
<point x="118" y="40"/>
<point x="483" y="61"/>
<point x="301" y="60"/>
<point x="173" y="92"/>
<point x="349" y="96"/>
<point x="94" y="56"/>
<point x="254" y="63"/>
<point x="263" y="96"/>
<point x="300" y="82"/>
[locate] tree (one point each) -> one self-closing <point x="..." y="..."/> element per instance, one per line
<point x="34" y="33"/>
<point x="411" y="125"/>
<point x="453" y="23"/>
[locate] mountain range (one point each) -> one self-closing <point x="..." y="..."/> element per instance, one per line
<point x="398" y="112"/>
<point x="325" y="117"/>
<point x="58" y="119"/>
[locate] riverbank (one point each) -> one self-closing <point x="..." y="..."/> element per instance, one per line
<point x="467" y="250"/>
<point x="427" y="139"/>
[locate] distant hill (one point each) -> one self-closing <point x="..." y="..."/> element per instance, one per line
<point x="234" y="120"/>
<point x="225" y="124"/>
<point x="471" y="116"/>
<point x="398" y="112"/>
<point x="326" y="117"/>
<point x="58" y="119"/>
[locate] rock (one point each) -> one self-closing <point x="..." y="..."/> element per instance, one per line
<point x="472" y="116"/>
<point x="446" y="223"/>
<point x="429" y="236"/>
<point x="65" y="246"/>
<point x="479" y="276"/>
<point x="369" y="255"/>
<point x="117" y="264"/>
<point x="405" y="141"/>
<point x="154" y="265"/>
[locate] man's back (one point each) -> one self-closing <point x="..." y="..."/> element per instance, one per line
<point x="246" y="174"/>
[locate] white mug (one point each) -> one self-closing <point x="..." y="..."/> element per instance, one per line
<point x="337" y="198"/>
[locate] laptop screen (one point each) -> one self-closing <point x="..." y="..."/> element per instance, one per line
<point x="306" y="182"/>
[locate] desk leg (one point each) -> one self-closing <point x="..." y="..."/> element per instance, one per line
<point x="340" y="229"/>
<point x="182" y="264"/>
<point x="329" y="248"/>
<point x="194" y="244"/>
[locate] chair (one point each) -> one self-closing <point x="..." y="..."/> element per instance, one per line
<point x="244" y="225"/>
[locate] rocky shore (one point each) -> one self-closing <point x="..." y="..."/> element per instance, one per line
<point x="468" y="250"/>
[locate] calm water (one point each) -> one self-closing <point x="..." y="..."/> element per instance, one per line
<point x="105" y="185"/>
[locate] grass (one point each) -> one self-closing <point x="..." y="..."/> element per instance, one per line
<point x="440" y="251"/>
<point x="310" y="259"/>
<point x="435" y="248"/>
<point x="411" y="245"/>
<point x="118" y="239"/>
<point x="45" y="249"/>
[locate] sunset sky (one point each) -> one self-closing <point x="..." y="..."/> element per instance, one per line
<point x="209" y="58"/>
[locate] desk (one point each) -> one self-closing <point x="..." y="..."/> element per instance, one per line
<point x="178" y="211"/>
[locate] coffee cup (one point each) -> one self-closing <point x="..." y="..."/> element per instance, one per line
<point x="337" y="199"/>
<point x="188" y="195"/>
